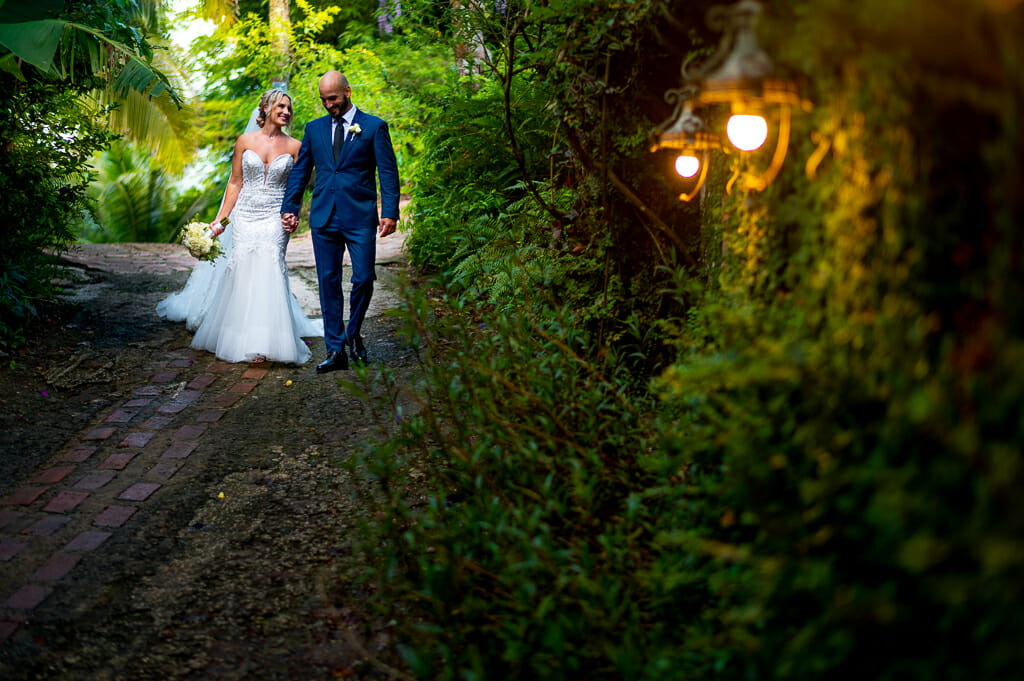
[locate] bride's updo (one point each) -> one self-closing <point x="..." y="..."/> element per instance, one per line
<point x="268" y="101"/>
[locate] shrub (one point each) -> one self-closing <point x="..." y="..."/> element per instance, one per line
<point x="48" y="139"/>
<point x="535" y="553"/>
<point x="821" y="483"/>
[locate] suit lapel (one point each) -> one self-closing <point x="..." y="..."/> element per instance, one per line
<point x="325" y="138"/>
<point x="350" y="138"/>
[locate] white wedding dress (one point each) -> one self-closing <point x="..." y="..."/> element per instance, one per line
<point x="241" y="305"/>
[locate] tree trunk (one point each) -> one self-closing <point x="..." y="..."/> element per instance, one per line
<point x="279" y="26"/>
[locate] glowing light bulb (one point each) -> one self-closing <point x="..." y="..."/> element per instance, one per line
<point x="746" y="131"/>
<point x="687" y="165"/>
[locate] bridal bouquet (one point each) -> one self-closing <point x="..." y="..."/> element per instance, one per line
<point x="199" y="241"/>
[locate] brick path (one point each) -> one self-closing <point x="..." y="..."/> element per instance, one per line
<point x="98" y="481"/>
<point x="96" y="484"/>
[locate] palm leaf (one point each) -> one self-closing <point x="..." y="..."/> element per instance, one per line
<point x="131" y="196"/>
<point x="119" y="212"/>
<point x="155" y="123"/>
<point x="40" y="44"/>
<point x="28" y="39"/>
<point x="35" y="42"/>
<point x="219" y="11"/>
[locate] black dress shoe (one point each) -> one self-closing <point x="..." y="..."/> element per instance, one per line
<point x="334" y="362"/>
<point x="358" y="351"/>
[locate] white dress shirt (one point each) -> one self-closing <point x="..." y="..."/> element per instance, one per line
<point x="346" y="119"/>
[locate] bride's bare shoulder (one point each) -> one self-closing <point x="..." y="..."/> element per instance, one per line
<point x="246" y="139"/>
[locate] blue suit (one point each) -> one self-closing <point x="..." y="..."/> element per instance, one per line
<point x="343" y="213"/>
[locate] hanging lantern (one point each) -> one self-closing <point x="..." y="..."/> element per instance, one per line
<point x="684" y="131"/>
<point x="740" y="74"/>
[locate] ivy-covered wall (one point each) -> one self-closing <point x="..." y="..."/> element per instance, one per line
<point x="861" y="380"/>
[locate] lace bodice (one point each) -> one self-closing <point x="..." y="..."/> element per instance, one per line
<point x="263" y="186"/>
<point x="256" y="217"/>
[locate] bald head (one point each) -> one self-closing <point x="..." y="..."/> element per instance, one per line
<point x="335" y="93"/>
<point x="333" y="80"/>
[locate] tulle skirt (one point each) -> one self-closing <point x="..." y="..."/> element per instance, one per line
<point x="254" y="315"/>
<point x="191" y="303"/>
<point x="241" y="307"/>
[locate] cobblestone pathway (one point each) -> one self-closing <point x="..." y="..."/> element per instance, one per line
<point x="101" y="478"/>
<point x="100" y="481"/>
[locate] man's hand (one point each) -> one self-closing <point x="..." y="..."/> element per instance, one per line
<point x="387" y="226"/>
<point x="290" y="222"/>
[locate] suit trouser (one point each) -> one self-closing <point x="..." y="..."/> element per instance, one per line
<point x="329" y="244"/>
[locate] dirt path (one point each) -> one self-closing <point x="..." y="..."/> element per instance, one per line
<point x="165" y="515"/>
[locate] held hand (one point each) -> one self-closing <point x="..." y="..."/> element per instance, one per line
<point x="289" y="222"/>
<point x="387" y="226"/>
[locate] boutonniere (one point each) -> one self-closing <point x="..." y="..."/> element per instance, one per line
<point x="355" y="129"/>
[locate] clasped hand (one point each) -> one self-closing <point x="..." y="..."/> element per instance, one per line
<point x="290" y="222"/>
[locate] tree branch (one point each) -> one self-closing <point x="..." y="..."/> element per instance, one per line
<point x="513" y="142"/>
<point x="645" y="211"/>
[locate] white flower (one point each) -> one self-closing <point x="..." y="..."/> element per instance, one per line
<point x="199" y="242"/>
<point x="355" y="129"/>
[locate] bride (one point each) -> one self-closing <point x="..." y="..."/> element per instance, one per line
<point x="240" y="305"/>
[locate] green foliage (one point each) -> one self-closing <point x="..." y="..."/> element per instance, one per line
<point x="467" y="177"/>
<point x="133" y="200"/>
<point x="536" y="167"/>
<point x="74" y="40"/>
<point x="349" y="24"/>
<point x="164" y="125"/>
<point x="112" y="50"/>
<point x="388" y="80"/>
<point x="54" y="58"/>
<point x="354" y="24"/>
<point x="538" y="551"/>
<point x="819" y="481"/>
<point x="868" y="468"/>
<point x="47" y="138"/>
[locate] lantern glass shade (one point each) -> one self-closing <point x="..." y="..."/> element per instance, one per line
<point x="687" y="165"/>
<point x="747" y="132"/>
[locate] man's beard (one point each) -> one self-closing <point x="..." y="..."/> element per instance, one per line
<point x="344" y="105"/>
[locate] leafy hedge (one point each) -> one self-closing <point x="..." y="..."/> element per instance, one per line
<point x="820" y="480"/>
<point x="47" y="138"/>
<point x="532" y="554"/>
<point x="50" y="126"/>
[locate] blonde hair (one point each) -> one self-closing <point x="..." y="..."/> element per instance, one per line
<point x="268" y="101"/>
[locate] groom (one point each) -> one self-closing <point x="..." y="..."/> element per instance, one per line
<point x="346" y="147"/>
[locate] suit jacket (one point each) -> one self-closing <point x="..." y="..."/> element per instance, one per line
<point x="346" y="186"/>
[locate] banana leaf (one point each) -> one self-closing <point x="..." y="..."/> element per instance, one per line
<point x="38" y="42"/>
